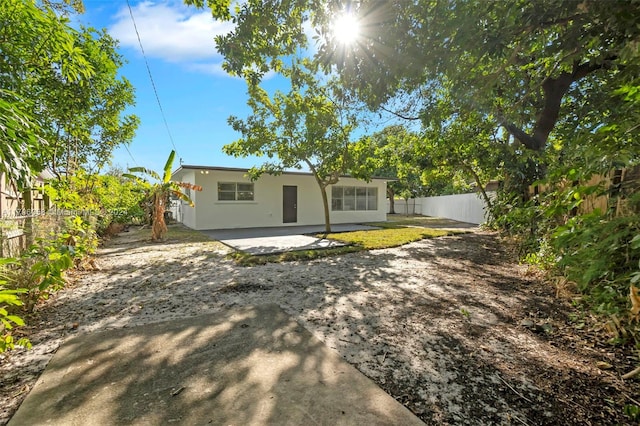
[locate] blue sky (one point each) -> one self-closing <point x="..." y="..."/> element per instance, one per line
<point x="197" y="96"/>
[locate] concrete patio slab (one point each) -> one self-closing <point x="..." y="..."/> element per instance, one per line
<point x="261" y="241"/>
<point x="280" y="244"/>
<point x="245" y="366"/>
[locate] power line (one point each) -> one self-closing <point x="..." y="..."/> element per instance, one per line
<point x="153" y="84"/>
<point x="134" y="160"/>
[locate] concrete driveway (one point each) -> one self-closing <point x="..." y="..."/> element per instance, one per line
<point x="272" y="240"/>
<point x="243" y="366"/>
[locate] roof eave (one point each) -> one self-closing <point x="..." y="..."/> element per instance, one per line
<point x="236" y="169"/>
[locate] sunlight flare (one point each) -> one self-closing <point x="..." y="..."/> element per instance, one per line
<point x="346" y="28"/>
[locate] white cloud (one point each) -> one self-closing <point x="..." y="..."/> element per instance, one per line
<point x="213" y="68"/>
<point x="172" y="32"/>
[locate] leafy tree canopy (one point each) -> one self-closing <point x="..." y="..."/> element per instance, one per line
<point x="59" y="90"/>
<point x="32" y="40"/>
<point x="516" y="60"/>
<point x="84" y="130"/>
<point x="390" y="153"/>
<point x="307" y="126"/>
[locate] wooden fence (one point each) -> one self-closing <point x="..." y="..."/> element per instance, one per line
<point x="17" y="233"/>
<point x="12" y="242"/>
<point x="13" y="239"/>
<point x="615" y="188"/>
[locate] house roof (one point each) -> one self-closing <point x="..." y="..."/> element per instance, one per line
<point x="235" y="169"/>
<point x="46" y="174"/>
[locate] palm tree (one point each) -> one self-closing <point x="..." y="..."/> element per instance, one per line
<point x="159" y="194"/>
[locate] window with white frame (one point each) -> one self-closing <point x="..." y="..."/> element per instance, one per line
<point x="235" y="191"/>
<point x="353" y="198"/>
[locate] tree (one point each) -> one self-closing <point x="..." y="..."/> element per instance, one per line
<point x="517" y="61"/>
<point x="457" y="140"/>
<point x="34" y="41"/>
<point x="61" y="98"/>
<point x="18" y="139"/>
<point x="160" y="192"/>
<point x="306" y="126"/>
<point x="389" y="154"/>
<point x="84" y="130"/>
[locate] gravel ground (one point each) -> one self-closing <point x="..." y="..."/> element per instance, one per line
<point x="450" y="327"/>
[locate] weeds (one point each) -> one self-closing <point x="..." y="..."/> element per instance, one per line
<point x="38" y="272"/>
<point x="9" y="298"/>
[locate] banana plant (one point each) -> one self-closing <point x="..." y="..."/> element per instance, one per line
<point x="158" y="195"/>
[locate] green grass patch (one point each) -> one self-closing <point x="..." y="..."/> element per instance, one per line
<point x="391" y="236"/>
<point x="180" y="233"/>
<point x="386" y="238"/>
<point x="424" y="221"/>
<point x="386" y="225"/>
<point x="245" y="259"/>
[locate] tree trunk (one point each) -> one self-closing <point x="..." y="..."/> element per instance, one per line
<point x="392" y="206"/>
<point x="325" y="204"/>
<point x="486" y="198"/>
<point x="554" y="90"/>
<point x="159" y="227"/>
<point x="27" y="204"/>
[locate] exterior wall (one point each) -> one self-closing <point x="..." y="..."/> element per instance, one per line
<point x="266" y="209"/>
<point x="462" y="207"/>
<point x="186" y="212"/>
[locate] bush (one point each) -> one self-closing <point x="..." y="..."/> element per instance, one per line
<point x="597" y="250"/>
<point x="600" y="255"/>
<point x="39" y="271"/>
<point x="109" y="198"/>
<point x="9" y="298"/>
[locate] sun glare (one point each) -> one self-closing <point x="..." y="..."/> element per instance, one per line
<point x="346" y="29"/>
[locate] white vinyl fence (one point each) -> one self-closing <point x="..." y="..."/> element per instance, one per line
<point x="462" y="207"/>
<point x="410" y="206"/>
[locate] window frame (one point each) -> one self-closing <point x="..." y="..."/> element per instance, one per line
<point x="345" y="198"/>
<point x="239" y="192"/>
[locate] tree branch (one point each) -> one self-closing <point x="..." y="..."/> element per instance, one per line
<point x="520" y="135"/>
<point x="557" y="21"/>
<point x="554" y="90"/>
<point x="397" y="114"/>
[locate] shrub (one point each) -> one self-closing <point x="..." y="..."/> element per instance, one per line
<point x="9" y="298"/>
<point x="597" y="250"/>
<point x="600" y="255"/>
<point x="39" y="271"/>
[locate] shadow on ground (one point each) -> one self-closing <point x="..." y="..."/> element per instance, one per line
<point x="252" y="365"/>
<point x="434" y="323"/>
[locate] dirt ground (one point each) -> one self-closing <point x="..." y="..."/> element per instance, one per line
<point x="451" y="327"/>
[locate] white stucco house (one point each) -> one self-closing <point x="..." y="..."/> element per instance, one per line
<point x="230" y="200"/>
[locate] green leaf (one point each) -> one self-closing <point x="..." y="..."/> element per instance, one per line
<point x="142" y="170"/>
<point x="167" y="167"/>
<point x="15" y="319"/>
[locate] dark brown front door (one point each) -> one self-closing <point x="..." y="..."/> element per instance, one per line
<point x="289" y="204"/>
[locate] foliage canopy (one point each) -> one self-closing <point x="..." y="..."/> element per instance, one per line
<point x="61" y="98"/>
<point x="308" y="126"/>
